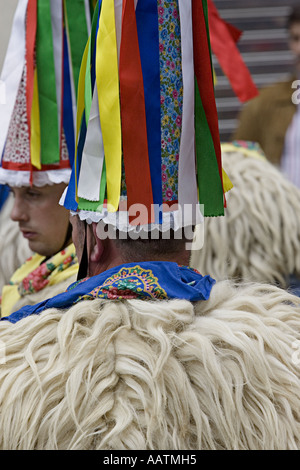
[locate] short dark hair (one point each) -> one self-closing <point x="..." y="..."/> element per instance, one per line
<point x="142" y="249"/>
<point x="294" y="17"/>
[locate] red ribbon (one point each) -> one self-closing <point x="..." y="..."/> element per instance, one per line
<point x="31" y="26"/>
<point x="133" y="118"/>
<point x="223" y="37"/>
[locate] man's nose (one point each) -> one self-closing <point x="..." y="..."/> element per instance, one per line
<point x="19" y="212"/>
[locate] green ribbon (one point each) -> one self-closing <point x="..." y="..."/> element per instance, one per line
<point x="50" y="145"/>
<point x="88" y="86"/>
<point x="77" y="33"/>
<point x="209" y="182"/>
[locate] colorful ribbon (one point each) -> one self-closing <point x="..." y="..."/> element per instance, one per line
<point x="208" y="147"/>
<point x="47" y="85"/>
<point x="187" y="182"/>
<point x="107" y="79"/>
<point x="35" y="133"/>
<point x="133" y="118"/>
<point x="39" y="56"/>
<point x="77" y="33"/>
<point x="147" y="28"/>
<point x="32" y="97"/>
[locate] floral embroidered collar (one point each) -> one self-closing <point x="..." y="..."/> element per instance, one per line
<point x="147" y="281"/>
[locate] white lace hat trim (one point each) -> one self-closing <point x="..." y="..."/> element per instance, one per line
<point x="173" y="219"/>
<point x="40" y="178"/>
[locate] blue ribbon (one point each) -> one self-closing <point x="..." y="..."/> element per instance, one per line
<point x="70" y="199"/>
<point x="4" y="193"/>
<point x="147" y="26"/>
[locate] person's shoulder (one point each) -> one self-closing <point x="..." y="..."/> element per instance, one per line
<point x="269" y="96"/>
<point x="276" y="89"/>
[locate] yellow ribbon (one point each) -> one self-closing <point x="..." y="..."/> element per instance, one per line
<point x="227" y="184"/>
<point x="107" y="79"/>
<point x="35" y="131"/>
<point x="80" y="104"/>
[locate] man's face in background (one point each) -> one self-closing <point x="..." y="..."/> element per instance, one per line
<point x="42" y="221"/>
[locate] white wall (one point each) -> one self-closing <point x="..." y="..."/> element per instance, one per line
<point x="7" y="10"/>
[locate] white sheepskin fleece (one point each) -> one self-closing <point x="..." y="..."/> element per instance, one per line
<point x="258" y="239"/>
<point x="165" y="375"/>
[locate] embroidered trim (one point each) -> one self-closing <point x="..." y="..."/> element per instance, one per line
<point x="129" y="283"/>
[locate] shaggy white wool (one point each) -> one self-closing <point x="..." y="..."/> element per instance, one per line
<point x="219" y="374"/>
<point x="258" y="239"/>
<point x="14" y="249"/>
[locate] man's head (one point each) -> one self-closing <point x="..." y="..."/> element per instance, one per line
<point x="107" y="247"/>
<point x="293" y="27"/>
<point x="154" y="157"/>
<point x="42" y="221"/>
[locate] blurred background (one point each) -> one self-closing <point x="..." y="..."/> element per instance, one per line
<point x="263" y="46"/>
<point x="7" y="10"/>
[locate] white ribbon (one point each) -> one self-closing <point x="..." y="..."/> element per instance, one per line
<point x="187" y="183"/>
<point x="92" y="155"/>
<point x="13" y="67"/>
<point x="88" y="15"/>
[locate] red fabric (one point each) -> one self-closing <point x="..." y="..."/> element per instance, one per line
<point x="223" y="38"/>
<point x="28" y="167"/>
<point x="133" y="117"/>
<point x="31" y="26"/>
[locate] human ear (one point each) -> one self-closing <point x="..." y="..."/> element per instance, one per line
<point x="96" y="245"/>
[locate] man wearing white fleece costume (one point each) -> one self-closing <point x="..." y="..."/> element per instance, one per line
<point x="143" y="352"/>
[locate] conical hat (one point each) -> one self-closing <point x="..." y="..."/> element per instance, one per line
<point x="147" y="143"/>
<point x="40" y="76"/>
